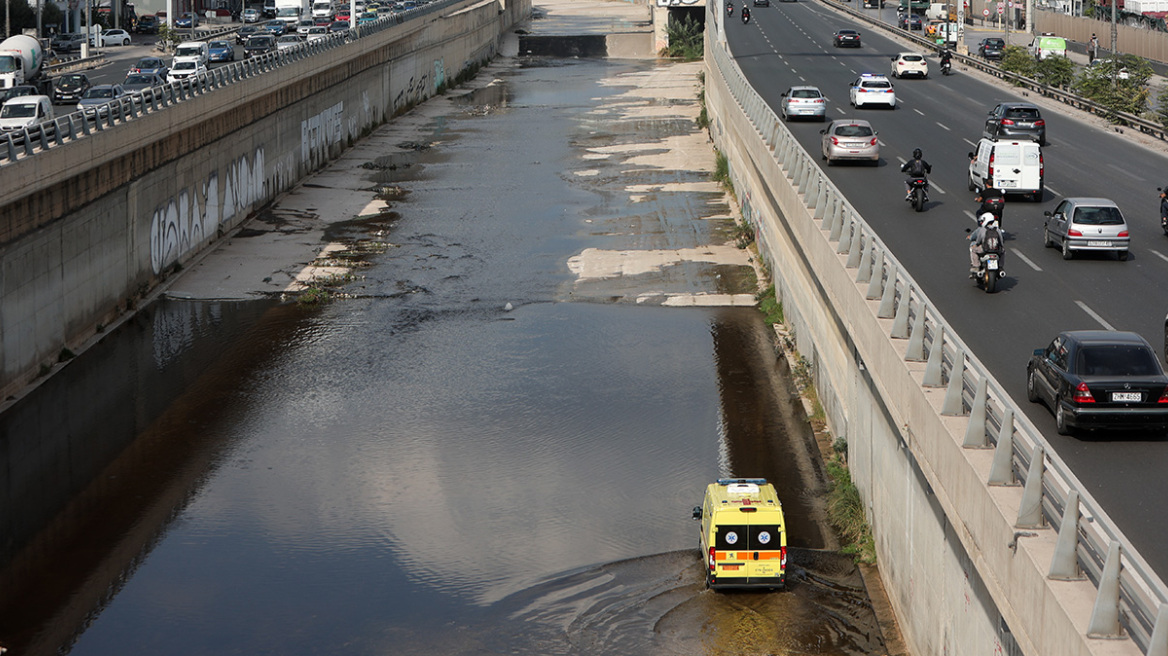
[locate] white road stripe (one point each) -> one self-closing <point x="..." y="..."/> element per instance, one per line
<point x="1025" y="259"/>
<point x="918" y="111"/>
<point x="841" y="110"/>
<point x="933" y="185"/>
<point x="882" y="144"/>
<point x="1051" y="190"/>
<point x="1094" y="315"/>
<point x="970" y="215"/>
<point x="970" y="142"/>
<point x="901" y="160"/>
<point x="943" y="127"/>
<point x="1160" y="255"/>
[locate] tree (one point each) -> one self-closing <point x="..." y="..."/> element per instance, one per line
<point x="1055" y="71"/>
<point x="1016" y="60"/>
<point x="1119" y="84"/>
<point x="685" y="38"/>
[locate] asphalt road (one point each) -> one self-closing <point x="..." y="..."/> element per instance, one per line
<point x="790" y="44"/>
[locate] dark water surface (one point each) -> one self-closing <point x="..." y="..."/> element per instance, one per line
<point x="458" y="460"/>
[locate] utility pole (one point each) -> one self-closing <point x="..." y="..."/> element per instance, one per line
<point x="1114" y="48"/>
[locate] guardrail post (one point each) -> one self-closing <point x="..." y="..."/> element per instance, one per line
<point x="785" y="155"/>
<point x="796" y="168"/>
<point x="829" y="218"/>
<point x="11" y="147"/>
<point x="975" y="430"/>
<point x="936" y="353"/>
<point x="820" y="199"/>
<point x="1158" y="644"/>
<point x="953" y="405"/>
<point x="849" y="227"/>
<point x="900" y="321"/>
<point x="1064" y="565"/>
<point x="1002" y="471"/>
<point x="864" y="274"/>
<point x="839" y="226"/>
<point x="1030" y="512"/>
<point x="1105" y="615"/>
<point x="877" y="279"/>
<point x="916" y="339"/>
<point x="805" y="176"/>
<point x="888" y="298"/>
<point x="855" y="249"/>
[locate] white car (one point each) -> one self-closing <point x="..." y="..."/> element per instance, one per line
<point x="910" y="64"/>
<point x="303" y="26"/>
<point x="113" y="38"/>
<point x="251" y="15"/>
<point x="872" y="89"/>
<point x="185" y="68"/>
<point x="317" y="32"/>
<point x="288" y="41"/>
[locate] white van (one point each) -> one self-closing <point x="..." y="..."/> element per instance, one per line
<point x="1012" y="166"/>
<point x="193" y="50"/>
<point x="25" y="112"/>
<point x="1047" y="45"/>
<point x="322" y="9"/>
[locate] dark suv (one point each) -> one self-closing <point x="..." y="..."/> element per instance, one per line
<point x="1014" y="120"/>
<point x="68" y="88"/>
<point x="260" y="44"/>
<point x="991" y="48"/>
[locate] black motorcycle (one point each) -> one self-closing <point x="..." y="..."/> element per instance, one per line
<point x="745" y="16"/>
<point x="994" y="202"/>
<point x="917" y="194"/>
<point x="989" y="266"/>
<point x="729" y="9"/>
<point x="946" y="67"/>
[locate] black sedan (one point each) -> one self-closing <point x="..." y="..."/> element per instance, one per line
<point x="846" y="38"/>
<point x="69" y="88"/>
<point x="1100" y="379"/>
<point x="246" y="32"/>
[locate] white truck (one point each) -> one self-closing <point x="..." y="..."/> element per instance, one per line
<point x="291" y="11"/>
<point x="25" y="112"/>
<point x="21" y="58"/>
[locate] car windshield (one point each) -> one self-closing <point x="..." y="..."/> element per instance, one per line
<point x="804" y="93"/>
<point x="1116" y="360"/>
<point x="98" y="92"/>
<point x="70" y="81"/>
<point x="912" y="58"/>
<point x="1028" y="113"/>
<point x="139" y="79"/>
<point x="876" y="85"/>
<point x="190" y="51"/>
<point x="220" y="45"/>
<point x="18" y="111"/>
<point x="257" y="42"/>
<point x="853" y="131"/>
<point x="1098" y="216"/>
<point x="150" y="63"/>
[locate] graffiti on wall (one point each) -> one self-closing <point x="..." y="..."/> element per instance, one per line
<point x="680" y="3"/>
<point x="414" y="92"/>
<point x="319" y="132"/>
<point x="186" y="221"/>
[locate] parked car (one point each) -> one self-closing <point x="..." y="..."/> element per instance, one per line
<point x="1106" y="67"/>
<point x="991" y="48"/>
<point x="112" y="38"/>
<point x="850" y="139"/>
<point x="188" y="20"/>
<point x="910" y="64"/>
<point x="260" y="44"/>
<point x="67" y="42"/>
<point x="848" y="38"/>
<point x="288" y="41"/>
<point x="245" y="32"/>
<point x="1099" y="379"/>
<point x="803" y="101"/>
<point x="221" y="51"/>
<point x="68" y="88"/>
<point x="97" y="98"/>
<point x="1016" y="120"/>
<point x="139" y="82"/>
<point x="150" y="66"/>
<point x="1087" y="224"/>
<point x="872" y="89"/>
<point x="147" y="24"/>
<point x="251" y="15"/>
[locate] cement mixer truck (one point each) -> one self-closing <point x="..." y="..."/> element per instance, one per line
<point x="21" y="59"/>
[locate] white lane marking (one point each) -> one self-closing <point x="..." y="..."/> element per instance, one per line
<point x="1160" y="255"/>
<point x="882" y="144"/>
<point x="969" y="142"/>
<point x="1094" y="315"/>
<point x="1126" y="172"/>
<point x="970" y="215"/>
<point x="901" y="160"/>
<point x="1051" y="190"/>
<point x="1025" y="259"/>
<point x="802" y="79"/>
<point x="933" y="185"/>
<point x="841" y="110"/>
<point x="918" y="111"/>
<point x="943" y="126"/>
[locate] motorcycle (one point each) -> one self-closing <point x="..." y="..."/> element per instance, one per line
<point x="946" y="67"/>
<point x="745" y="17"/>
<point x="729" y="9"/>
<point x="1163" y="213"/>
<point x="989" y="270"/>
<point x="917" y="195"/>
<point x="994" y="204"/>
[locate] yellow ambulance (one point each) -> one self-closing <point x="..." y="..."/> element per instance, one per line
<point x="744" y="537"/>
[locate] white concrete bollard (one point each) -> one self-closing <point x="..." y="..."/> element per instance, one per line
<point x="1030" y="512"/>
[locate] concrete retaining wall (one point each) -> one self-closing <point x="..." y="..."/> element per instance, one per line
<point x="962" y="578"/>
<point x="89" y="227"/>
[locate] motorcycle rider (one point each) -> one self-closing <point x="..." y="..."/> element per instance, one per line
<point x="991" y="200"/>
<point x="916" y="167"/>
<point x="729" y="8"/>
<point x="986" y="239"/>
<point x="946" y="60"/>
<point x="745" y="14"/>
<point x="1164" y="209"/>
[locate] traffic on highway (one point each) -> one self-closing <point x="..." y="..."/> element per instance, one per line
<point x="1083" y="247"/>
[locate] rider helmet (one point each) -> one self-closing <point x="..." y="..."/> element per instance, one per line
<point x="917" y="154"/>
<point x="986" y="219"/>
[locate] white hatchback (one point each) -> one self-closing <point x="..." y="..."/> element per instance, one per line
<point x="872" y="89"/>
<point x="910" y="64"/>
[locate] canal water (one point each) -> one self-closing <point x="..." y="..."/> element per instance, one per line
<point x="465" y="453"/>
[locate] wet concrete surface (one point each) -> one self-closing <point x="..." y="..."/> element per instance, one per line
<point x="474" y="449"/>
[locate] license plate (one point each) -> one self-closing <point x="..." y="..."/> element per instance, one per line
<point x="1007" y="183"/>
<point x="731" y="567"/>
<point x="992" y="265"/>
<point x="1119" y="397"/>
<point x="1099" y="243"/>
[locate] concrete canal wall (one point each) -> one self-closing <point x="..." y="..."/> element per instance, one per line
<point x="89" y="227"/>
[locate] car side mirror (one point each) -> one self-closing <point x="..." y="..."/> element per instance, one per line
<point x="1047" y="213"/>
<point x="823" y="131"/>
<point x="892" y="58"/>
<point x="697" y="512"/>
<point x="970" y="155"/>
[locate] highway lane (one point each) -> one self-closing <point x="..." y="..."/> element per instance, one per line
<point x="790" y="43"/>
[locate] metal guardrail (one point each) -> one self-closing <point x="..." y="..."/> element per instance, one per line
<point x="1093" y="545"/>
<point x="1066" y="97"/>
<point x="27" y="142"/>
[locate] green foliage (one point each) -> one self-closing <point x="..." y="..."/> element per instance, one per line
<point x="722" y="170"/>
<point x="771" y="308"/>
<point x="846" y="511"/>
<point x="314" y="296"/>
<point x="169" y="36"/>
<point x="1016" y="60"/>
<point x="1162" y="107"/>
<point x="1102" y="84"/>
<point x="1056" y="71"/>
<point x="685" y="39"/>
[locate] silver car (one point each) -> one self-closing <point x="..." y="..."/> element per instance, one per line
<point x="803" y="101"/>
<point x="850" y="139"/>
<point x="1087" y="224"/>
